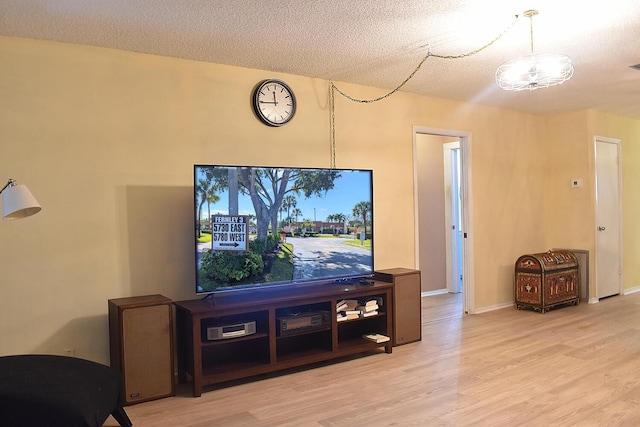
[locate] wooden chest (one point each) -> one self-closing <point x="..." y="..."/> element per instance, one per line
<point x="547" y="279"/>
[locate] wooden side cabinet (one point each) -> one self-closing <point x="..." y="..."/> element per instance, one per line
<point x="407" y="308"/>
<point x="141" y="346"/>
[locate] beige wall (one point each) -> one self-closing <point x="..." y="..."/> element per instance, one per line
<point x="430" y="200"/>
<point x="570" y="149"/>
<point x="106" y="141"/>
<point x="570" y="211"/>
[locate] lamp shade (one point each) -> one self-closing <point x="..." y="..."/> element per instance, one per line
<point x="18" y="202"/>
<point x="534" y="72"/>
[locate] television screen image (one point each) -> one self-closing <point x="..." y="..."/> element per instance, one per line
<point x="268" y="226"/>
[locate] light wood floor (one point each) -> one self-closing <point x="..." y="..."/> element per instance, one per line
<point x="573" y="366"/>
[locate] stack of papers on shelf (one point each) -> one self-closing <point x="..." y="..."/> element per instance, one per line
<point x="346" y="304"/>
<point x="377" y="338"/>
<point x="346" y="310"/>
<point x="369" y="306"/>
<point x="369" y="313"/>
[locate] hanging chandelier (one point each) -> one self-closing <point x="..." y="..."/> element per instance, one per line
<point x="536" y="70"/>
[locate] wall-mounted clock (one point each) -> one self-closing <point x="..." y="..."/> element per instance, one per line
<point x="274" y="102"/>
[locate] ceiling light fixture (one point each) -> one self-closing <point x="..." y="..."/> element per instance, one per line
<point x="536" y="70"/>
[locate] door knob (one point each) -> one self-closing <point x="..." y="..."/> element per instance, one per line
<point x="601" y="228"/>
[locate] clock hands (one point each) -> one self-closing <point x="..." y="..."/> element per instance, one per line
<point x="274" y="102"/>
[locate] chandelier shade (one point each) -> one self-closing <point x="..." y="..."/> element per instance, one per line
<point x="536" y="70"/>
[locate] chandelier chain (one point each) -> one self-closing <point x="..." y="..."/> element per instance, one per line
<point x="427" y="56"/>
<point x="333" y="124"/>
<point x="531" y="32"/>
<point x="333" y="88"/>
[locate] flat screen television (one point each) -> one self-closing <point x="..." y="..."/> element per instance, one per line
<point x="259" y="227"/>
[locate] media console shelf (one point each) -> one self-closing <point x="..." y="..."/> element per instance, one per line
<point x="209" y="362"/>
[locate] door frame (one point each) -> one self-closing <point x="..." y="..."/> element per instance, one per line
<point x="618" y="144"/>
<point x="468" y="290"/>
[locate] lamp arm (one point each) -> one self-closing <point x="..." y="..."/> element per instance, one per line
<point x="11" y="183"/>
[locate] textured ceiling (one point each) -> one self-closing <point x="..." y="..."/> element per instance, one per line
<point x="373" y="43"/>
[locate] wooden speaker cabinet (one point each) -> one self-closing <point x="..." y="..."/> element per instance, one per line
<point x="141" y="346"/>
<point x="407" y="307"/>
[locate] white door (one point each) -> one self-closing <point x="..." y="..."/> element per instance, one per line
<point x="453" y="221"/>
<point x="608" y="236"/>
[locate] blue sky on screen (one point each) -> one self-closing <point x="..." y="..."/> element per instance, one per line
<point x="351" y="188"/>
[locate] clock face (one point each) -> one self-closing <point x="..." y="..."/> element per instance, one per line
<point x="274" y="102"/>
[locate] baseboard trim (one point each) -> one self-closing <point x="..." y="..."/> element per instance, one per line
<point x="631" y="290"/>
<point x="432" y="293"/>
<point x="477" y="311"/>
<point x="592" y="300"/>
<point x="493" y="307"/>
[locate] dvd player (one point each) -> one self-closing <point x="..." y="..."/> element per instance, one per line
<point x="304" y="321"/>
<point x="231" y="331"/>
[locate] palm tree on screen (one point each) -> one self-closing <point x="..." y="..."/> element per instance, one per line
<point x="363" y="211"/>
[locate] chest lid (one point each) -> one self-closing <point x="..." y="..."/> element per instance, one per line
<point x="547" y="261"/>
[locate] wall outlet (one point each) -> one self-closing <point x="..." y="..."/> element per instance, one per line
<point x="69" y="352"/>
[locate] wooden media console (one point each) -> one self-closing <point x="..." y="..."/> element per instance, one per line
<point x="268" y="347"/>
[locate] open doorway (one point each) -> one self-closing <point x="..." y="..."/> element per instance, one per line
<point x="453" y="215"/>
<point x="442" y="191"/>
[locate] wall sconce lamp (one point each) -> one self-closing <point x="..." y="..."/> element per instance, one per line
<point x="17" y="201"/>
